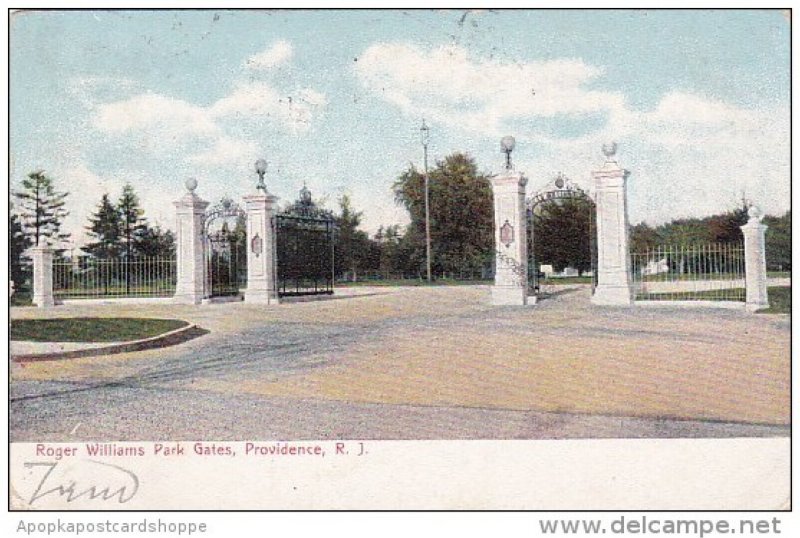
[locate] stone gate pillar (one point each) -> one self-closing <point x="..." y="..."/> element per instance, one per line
<point x="191" y="257"/>
<point x="755" y="261"/>
<point x="261" y="254"/>
<point x="510" y="240"/>
<point x="613" y="254"/>
<point x="43" y="276"/>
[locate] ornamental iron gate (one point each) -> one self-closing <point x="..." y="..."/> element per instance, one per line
<point x="564" y="190"/>
<point x="224" y="232"/>
<point x="305" y="249"/>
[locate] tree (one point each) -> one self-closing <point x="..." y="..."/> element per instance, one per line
<point x="132" y="222"/>
<point x="563" y="232"/>
<point x="42" y="209"/>
<point x="779" y="242"/>
<point x="158" y="243"/>
<point x="461" y="214"/>
<point x="643" y="238"/>
<point x="18" y="242"/>
<point x="726" y="227"/>
<point x="388" y="241"/>
<point x="684" y="232"/>
<point x="354" y="251"/>
<point x="104" y="227"/>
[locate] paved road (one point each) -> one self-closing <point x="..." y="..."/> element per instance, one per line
<point x="135" y="412"/>
<point x="153" y="398"/>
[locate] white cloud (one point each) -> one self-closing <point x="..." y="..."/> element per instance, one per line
<point x="158" y="114"/>
<point x="446" y="85"/>
<point x="216" y="135"/>
<point x="86" y="188"/>
<point x="278" y="54"/>
<point x="225" y="150"/>
<point x="87" y="89"/>
<point x="690" y="155"/>
<point x="164" y="122"/>
<point x="259" y="101"/>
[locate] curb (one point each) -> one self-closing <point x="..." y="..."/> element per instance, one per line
<point x="170" y="338"/>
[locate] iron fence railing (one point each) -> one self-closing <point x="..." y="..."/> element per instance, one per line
<point x="84" y="277"/>
<point x="711" y="272"/>
<point x="381" y="276"/>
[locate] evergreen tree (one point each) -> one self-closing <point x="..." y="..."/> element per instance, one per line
<point x="157" y="243"/>
<point x="42" y="209"/>
<point x="18" y="242"/>
<point x="105" y="229"/>
<point x="133" y="226"/>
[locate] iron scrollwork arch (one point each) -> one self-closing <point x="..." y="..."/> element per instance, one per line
<point x="225" y="209"/>
<point x="564" y="189"/>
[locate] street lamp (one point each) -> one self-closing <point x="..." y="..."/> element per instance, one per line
<point x="507" y="146"/>
<point x="261" y="169"/>
<point x="424" y="135"/>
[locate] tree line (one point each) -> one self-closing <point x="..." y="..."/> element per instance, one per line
<point x="461" y="221"/>
<point x="462" y="234"/>
<point x="116" y="230"/>
<point x="719" y="228"/>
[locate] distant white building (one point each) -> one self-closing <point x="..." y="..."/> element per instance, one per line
<point x="655" y="267"/>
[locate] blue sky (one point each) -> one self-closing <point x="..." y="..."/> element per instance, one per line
<point x="698" y="102"/>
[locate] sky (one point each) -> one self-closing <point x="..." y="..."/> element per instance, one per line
<point x="697" y="101"/>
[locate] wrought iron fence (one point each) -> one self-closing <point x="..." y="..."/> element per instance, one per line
<point x="712" y="272"/>
<point x="85" y="277"/>
<point x="305" y="254"/>
<point x="226" y="265"/>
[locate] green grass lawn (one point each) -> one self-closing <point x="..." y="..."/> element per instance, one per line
<point x="779" y="274"/>
<point x="456" y="282"/>
<point x="780" y="300"/>
<point x="555" y="281"/>
<point x="411" y="282"/>
<point x="91" y="329"/>
<point x="780" y="297"/>
<point x="728" y="294"/>
<point x="20" y="298"/>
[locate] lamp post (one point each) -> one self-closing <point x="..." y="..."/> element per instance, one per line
<point x="507" y="146"/>
<point x="261" y="169"/>
<point x="424" y="135"/>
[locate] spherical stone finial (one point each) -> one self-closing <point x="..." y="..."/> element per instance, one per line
<point x="754" y="213"/>
<point x="609" y="150"/>
<point x="191" y="184"/>
<point x="507" y="143"/>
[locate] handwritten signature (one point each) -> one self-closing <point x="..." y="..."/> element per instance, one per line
<point x="120" y="483"/>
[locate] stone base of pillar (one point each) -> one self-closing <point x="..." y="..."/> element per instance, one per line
<point x="752" y="307"/>
<point x="261" y="297"/>
<point x="612" y="296"/>
<point x="509" y="295"/>
<point x="43" y="301"/>
<point x="187" y="298"/>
